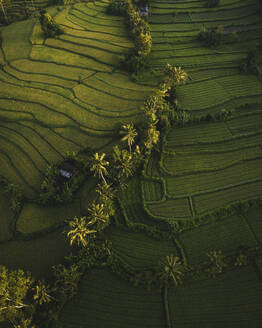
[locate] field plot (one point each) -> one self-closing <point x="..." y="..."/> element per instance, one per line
<point x="175" y="27"/>
<point x="225" y="235"/>
<point x="254" y="220"/>
<point x="137" y="249"/>
<point x="105" y="300"/>
<point x="231" y="300"/>
<point x="34" y="255"/>
<point x="7" y="217"/>
<point x="153" y="190"/>
<point x="34" y="218"/>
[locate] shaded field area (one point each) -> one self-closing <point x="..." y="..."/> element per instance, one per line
<point x="231" y="300"/>
<point x="119" y="304"/>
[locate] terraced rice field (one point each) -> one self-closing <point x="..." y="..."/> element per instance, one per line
<point x="66" y="94"/>
<point x="62" y="94"/>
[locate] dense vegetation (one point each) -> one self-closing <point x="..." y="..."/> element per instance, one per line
<point x="159" y="118"/>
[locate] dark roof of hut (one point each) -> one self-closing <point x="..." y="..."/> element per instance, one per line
<point x="66" y="169"/>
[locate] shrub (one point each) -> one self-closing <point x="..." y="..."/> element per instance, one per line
<point x="210" y="38"/>
<point x="217" y="262"/>
<point x="54" y="189"/>
<point x="49" y="27"/>
<point x="116" y="7"/>
<point x="212" y="3"/>
<point x="15" y="195"/>
<point x="253" y="62"/>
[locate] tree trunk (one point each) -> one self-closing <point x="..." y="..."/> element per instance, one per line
<point x="168" y="321"/>
<point x="3" y="10"/>
<point x="103" y="178"/>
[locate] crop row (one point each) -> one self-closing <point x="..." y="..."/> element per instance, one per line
<point x="182" y="164"/>
<point x="231" y="300"/>
<point x="103" y="299"/>
<point x="225" y="235"/>
<point x="137" y="249"/>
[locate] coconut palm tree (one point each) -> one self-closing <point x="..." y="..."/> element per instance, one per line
<point x="41" y="293"/>
<point x="130" y="134"/>
<point x="98" y="213"/>
<point x="99" y="166"/>
<point x="173" y="269"/>
<point x="3" y="9"/>
<point x="152" y="136"/>
<point x="79" y="231"/>
<point x="177" y="74"/>
<point x="123" y="162"/>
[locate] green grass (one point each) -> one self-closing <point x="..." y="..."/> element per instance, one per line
<point x="196" y="134"/>
<point x="177" y="209"/>
<point x="212" y="200"/>
<point x="179" y="164"/>
<point x="232" y="300"/>
<point x="34" y="255"/>
<point x="105" y="300"/>
<point x="245" y="171"/>
<point x="34" y="218"/>
<point x="137" y="249"/>
<point x="16" y="36"/>
<point x="153" y="190"/>
<point x="225" y="235"/>
<point x="253" y="218"/>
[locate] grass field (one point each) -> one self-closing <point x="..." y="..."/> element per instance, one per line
<point x="230" y="300"/>
<point x="132" y="308"/>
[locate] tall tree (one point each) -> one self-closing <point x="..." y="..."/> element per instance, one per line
<point x="99" y="166"/>
<point x="106" y="196"/>
<point x="177" y="74"/>
<point x="14" y="287"/>
<point x="98" y="214"/>
<point x="79" y="231"/>
<point x="152" y="137"/>
<point x="130" y="134"/>
<point x="123" y="162"/>
<point x="2" y="4"/>
<point x="172" y="269"/>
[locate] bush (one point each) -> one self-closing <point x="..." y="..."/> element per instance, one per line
<point x="15" y="194"/>
<point x="49" y="27"/>
<point x="253" y="62"/>
<point x="210" y="38"/>
<point x="55" y="189"/>
<point x="212" y="3"/>
<point x="117" y="7"/>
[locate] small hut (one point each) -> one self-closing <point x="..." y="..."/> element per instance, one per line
<point x="143" y="10"/>
<point x="66" y="170"/>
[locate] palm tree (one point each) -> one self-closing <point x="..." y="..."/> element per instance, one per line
<point x="99" y="166"/>
<point x="3" y="9"/>
<point x="79" y="231"/>
<point x="41" y="293"/>
<point x="124" y="162"/>
<point x="98" y="213"/>
<point x="130" y="136"/>
<point x="152" y="136"/>
<point x="177" y="74"/>
<point x="173" y="269"/>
